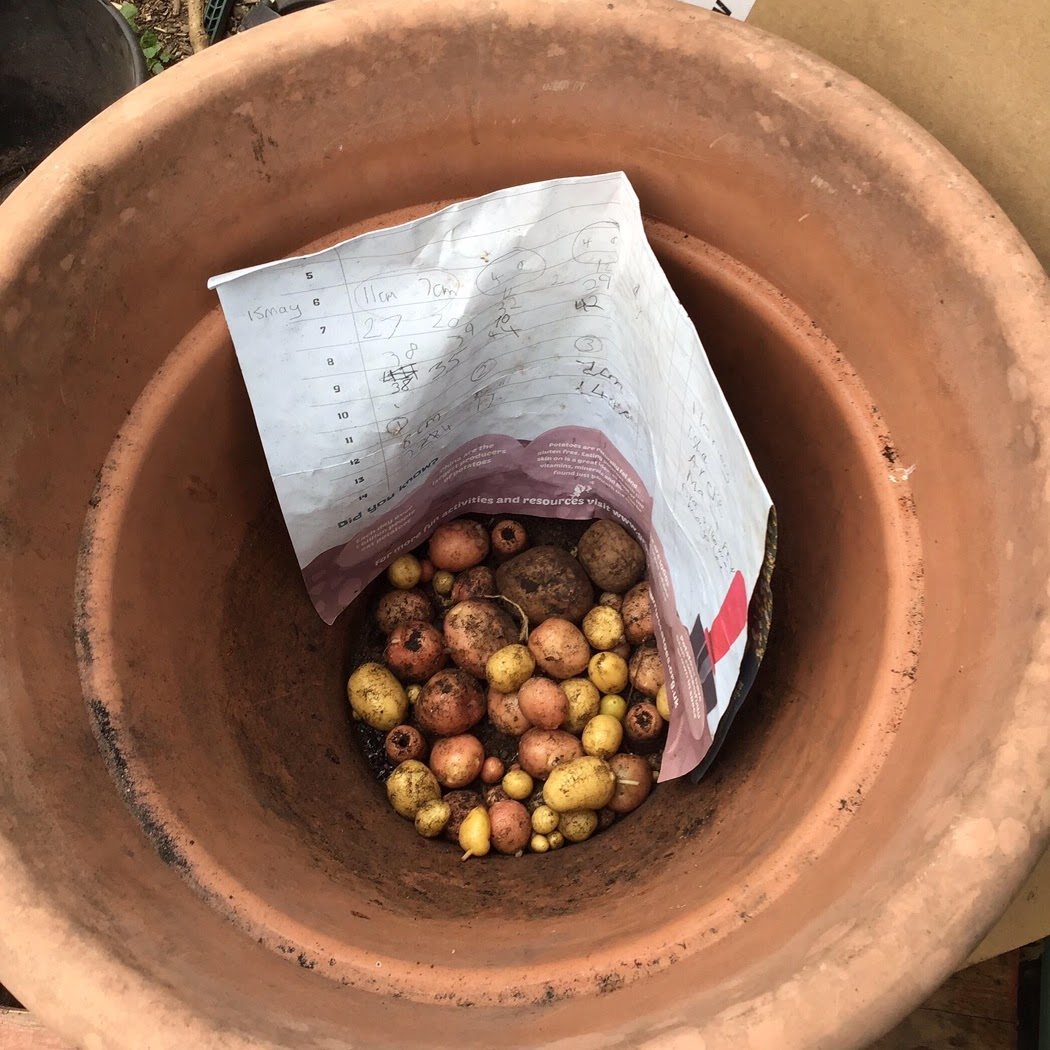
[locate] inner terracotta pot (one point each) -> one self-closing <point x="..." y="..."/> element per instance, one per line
<point x="224" y="869"/>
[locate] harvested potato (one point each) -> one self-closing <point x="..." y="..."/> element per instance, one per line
<point x="661" y="703"/>
<point x="474" y="583"/>
<point x="543" y="703"/>
<point x="539" y="844"/>
<point x="410" y="787"/>
<point x="544" y="820"/>
<point x="517" y="784"/>
<point x="642" y="725"/>
<point x="509" y="538"/>
<point x="399" y="607"/>
<point x="556" y="840"/>
<point x="432" y="818"/>
<point x="603" y="627"/>
<point x="426" y="570"/>
<point x="578" y="825"/>
<point x="509" y="668"/>
<point x="415" y="651"/>
<point x="583" y="783"/>
<point x="559" y="648"/>
<point x="474" y="631"/>
<point x="606" y="818"/>
<point x="608" y="672"/>
<point x="404" y="743"/>
<point x="458" y="545"/>
<point x="613" y="601"/>
<point x="602" y="736"/>
<point x="412" y="692"/>
<point x="492" y="770"/>
<point x="456" y="761"/>
<point x="377" y="697"/>
<point x="460" y="803"/>
<point x="637" y="614"/>
<point x="405" y="572"/>
<point x="541" y="750"/>
<point x="613" y="559"/>
<point x="505" y="713"/>
<point x="444" y="582"/>
<point x="613" y="705"/>
<point x="450" y="703"/>
<point x="623" y="651"/>
<point x="475" y="833"/>
<point x="494" y="793"/>
<point x="646" y="671"/>
<point x="511" y="827"/>
<point x="584" y="703"/>
<point x="634" y="781"/>
<point x="546" y="582"/>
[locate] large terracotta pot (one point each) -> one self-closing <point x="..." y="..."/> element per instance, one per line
<point x="222" y="872"/>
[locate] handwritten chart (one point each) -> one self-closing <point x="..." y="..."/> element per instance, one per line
<point x="523" y="351"/>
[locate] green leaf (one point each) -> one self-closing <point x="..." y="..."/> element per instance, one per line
<point x="148" y="39"/>
<point x="151" y="52"/>
<point x="164" y="56"/>
<point x="130" y="13"/>
<point x="156" y="67"/>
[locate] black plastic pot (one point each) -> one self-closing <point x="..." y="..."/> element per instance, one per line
<point x="61" y="62"/>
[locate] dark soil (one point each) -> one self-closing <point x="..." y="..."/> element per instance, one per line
<point x="169" y="20"/>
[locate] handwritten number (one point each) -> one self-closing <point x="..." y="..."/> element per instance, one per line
<point x="317" y="302"/>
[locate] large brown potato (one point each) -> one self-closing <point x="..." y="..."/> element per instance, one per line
<point x="450" y="703"/>
<point x="546" y="582"/>
<point x="612" y="558"/>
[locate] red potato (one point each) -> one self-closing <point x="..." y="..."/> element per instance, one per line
<point x="456" y="761"/>
<point x="450" y="703"/>
<point x="415" y="651"/>
<point x="509" y="538"/>
<point x="541" y="750"/>
<point x="458" y="545"/>
<point x="399" y="607"/>
<point x="543" y="702"/>
<point x="426" y="571"/>
<point x="474" y="631"/>
<point x="637" y="614"/>
<point x="559" y="648"/>
<point x="643" y="726"/>
<point x="511" y="826"/>
<point x="474" y="583"/>
<point x="634" y="781"/>
<point x="505" y="713"/>
<point x="492" y="770"/>
<point x="404" y="743"/>
<point x="646" y="671"/>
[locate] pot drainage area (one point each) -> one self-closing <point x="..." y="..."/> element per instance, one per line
<point x="238" y="757"/>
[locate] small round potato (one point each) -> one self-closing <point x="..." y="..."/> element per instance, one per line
<point x="426" y="573"/>
<point x="539" y="844"/>
<point x="634" y="781"/>
<point x="608" y="672"/>
<point x="508" y="668"/>
<point x="613" y="705"/>
<point x="637" y="614"/>
<point x="603" y="627"/>
<point x="614" y="560"/>
<point x="458" y="545"/>
<point x="602" y="736"/>
<point x="511" y="828"/>
<point x="505" y="713"/>
<point x="642" y="725"/>
<point x="556" y="840"/>
<point x="559" y="648"/>
<point x="474" y="583"/>
<point x="432" y="818"/>
<point x="509" y="538"/>
<point x="405" y="572"/>
<point x="456" y="761"/>
<point x="397" y="607"/>
<point x="517" y="784"/>
<point x="377" y="697"/>
<point x="410" y="787"/>
<point x="646" y="671"/>
<point x="578" y="825"/>
<point x="584" y="703"/>
<point x="544" y="820"/>
<point x="662" y="704"/>
<point x="415" y="651"/>
<point x="404" y="743"/>
<point x="475" y="833"/>
<point x="541" y="750"/>
<point x="444" y="582"/>
<point x="543" y="702"/>
<point x="450" y="703"/>
<point x="583" y="783"/>
<point x="492" y="770"/>
<point x="613" y="601"/>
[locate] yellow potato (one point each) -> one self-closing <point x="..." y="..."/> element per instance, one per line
<point x="578" y="825"/>
<point x="432" y="818"/>
<point x="661" y="703"/>
<point x="556" y="840"/>
<point x="444" y="582"/>
<point x="603" y="627"/>
<point x="584" y="702"/>
<point x="412" y="692"/>
<point x="613" y="705"/>
<point x="377" y="697"/>
<point x="410" y="787"/>
<point x="608" y="672"/>
<point x="404" y="572"/>
<point x="583" y="783"/>
<point x="509" y="668"/>
<point x="602" y="736"/>
<point x="475" y="833"/>
<point x="539" y="844"/>
<point x="517" y="784"/>
<point x="544" y="820"/>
